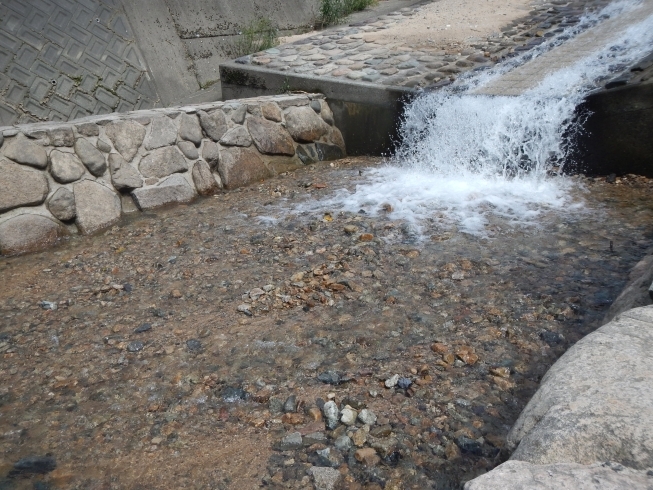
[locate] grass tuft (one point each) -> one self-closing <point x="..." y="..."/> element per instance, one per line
<point x="334" y="11"/>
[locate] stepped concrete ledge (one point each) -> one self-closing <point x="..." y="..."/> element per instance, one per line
<point x="594" y="405"/>
<point x="370" y="69"/>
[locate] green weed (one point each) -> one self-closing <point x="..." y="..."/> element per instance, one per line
<point x="334" y="11"/>
<point x="259" y="35"/>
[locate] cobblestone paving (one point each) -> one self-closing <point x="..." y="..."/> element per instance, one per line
<point x="68" y="59"/>
<point x="343" y="53"/>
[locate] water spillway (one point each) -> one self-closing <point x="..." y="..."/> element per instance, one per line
<point x="499" y="141"/>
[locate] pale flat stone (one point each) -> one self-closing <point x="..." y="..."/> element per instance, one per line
<point x="304" y="124"/>
<point x="189" y="150"/>
<point x="214" y="124"/>
<point x="91" y="157"/>
<point x="28" y="233"/>
<point x="271" y="111"/>
<point x="65" y="167"/>
<point x="22" y="150"/>
<point x="126" y="136"/>
<point x="163" y="162"/>
<point x="162" y="132"/>
<point x="21" y="186"/>
<point x="203" y="179"/>
<point x="324" y="478"/>
<point x="88" y="129"/>
<point x="97" y="206"/>
<point x="61" y="137"/>
<point x="241" y="166"/>
<point x="270" y="138"/>
<point x="237" y="136"/>
<point x="62" y="204"/>
<point x="174" y="189"/>
<point x="190" y="129"/>
<point x="123" y="174"/>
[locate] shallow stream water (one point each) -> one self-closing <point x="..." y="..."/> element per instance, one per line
<point x="192" y="399"/>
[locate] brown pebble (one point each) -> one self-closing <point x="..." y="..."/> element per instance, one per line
<point x="367" y="456"/>
<point x="292" y="418"/>
<point x="366" y="237"/>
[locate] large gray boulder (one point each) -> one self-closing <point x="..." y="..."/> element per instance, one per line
<point x="92" y="158"/>
<point x="214" y="124"/>
<point x="65" y="167"/>
<point x="189" y="129"/>
<point x="270" y="138"/>
<point x="123" y="175"/>
<point x="211" y="153"/>
<point x="304" y="124"/>
<point x="519" y="475"/>
<point x="174" y="189"/>
<point x="61" y="136"/>
<point x="126" y="136"/>
<point x="22" y="150"/>
<point x="636" y="292"/>
<point x="97" y="206"/>
<point x="62" y="204"/>
<point x="241" y="166"/>
<point x="237" y="136"/>
<point x="21" y="186"/>
<point x="162" y="132"/>
<point x="28" y="233"/>
<point x="163" y="162"/>
<point x="203" y="179"/>
<point x="595" y="404"/>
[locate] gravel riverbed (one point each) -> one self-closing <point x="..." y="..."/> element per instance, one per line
<point x="233" y="343"/>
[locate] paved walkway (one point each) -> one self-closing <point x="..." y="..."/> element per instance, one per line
<point x="351" y="54"/>
<point x="530" y="74"/>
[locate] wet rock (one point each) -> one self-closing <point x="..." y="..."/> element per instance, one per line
<point x="91" y="157"/>
<point x="233" y="394"/>
<point x="62" y="204"/>
<point x="307" y="154"/>
<point x="162" y="132"/>
<point x="367" y="456"/>
<point x="392" y="381"/>
<point x="237" y="136"/>
<point x="21" y="186"/>
<point x="174" y="189"/>
<point x="135" y="346"/>
<point x="291" y="442"/>
<point x="271" y="112"/>
<point x="189" y="150"/>
<point x="367" y="417"/>
<point x="348" y="416"/>
<point x="343" y="443"/>
<point x="551" y="338"/>
<point x="123" y="175"/>
<point x="327" y="152"/>
<point x="329" y="377"/>
<point x="194" y="345"/>
<point x="163" y="162"/>
<point x="39" y="465"/>
<point x="241" y="166"/>
<point x="331" y="414"/>
<point x="65" y="167"/>
<point x="214" y="124"/>
<point x="270" y="138"/>
<point x="126" y="136"/>
<point x="22" y="150"/>
<point x="190" y="129"/>
<point x="145" y="327"/>
<point x="97" y="206"/>
<point x="324" y="478"/>
<point x="28" y="233"/>
<point x="329" y="457"/>
<point x="304" y="124"/>
<point x="290" y="404"/>
<point x="204" y="179"/>
<point x="468" y="445"/>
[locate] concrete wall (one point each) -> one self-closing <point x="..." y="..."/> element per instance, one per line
<point x="66" y="59"/>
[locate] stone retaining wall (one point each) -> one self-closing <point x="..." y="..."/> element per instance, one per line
<point x="80" y="177"/>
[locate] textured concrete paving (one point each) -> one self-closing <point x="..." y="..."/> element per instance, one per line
<point x="529" y="75"/>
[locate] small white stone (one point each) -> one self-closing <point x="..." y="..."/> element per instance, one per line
<point x="348" y="416"/>
<point x="391" y="382"/>
<point x="367" y="417"/>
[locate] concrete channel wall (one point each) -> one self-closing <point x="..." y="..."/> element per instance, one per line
<point x="60" y="178"/>
<point x="65" y="59"/>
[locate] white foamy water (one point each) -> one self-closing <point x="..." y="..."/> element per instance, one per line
<point x="466" y="157"/>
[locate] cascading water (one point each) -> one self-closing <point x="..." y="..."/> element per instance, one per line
<point x="467" y="156"/>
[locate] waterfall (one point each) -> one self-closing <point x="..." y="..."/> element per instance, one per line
<point x="467" y="156"/>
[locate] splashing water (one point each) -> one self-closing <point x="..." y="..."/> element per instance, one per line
<point x="466" y="156"/>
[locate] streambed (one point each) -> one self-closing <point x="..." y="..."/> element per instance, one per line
<point x="147" y="375"/>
